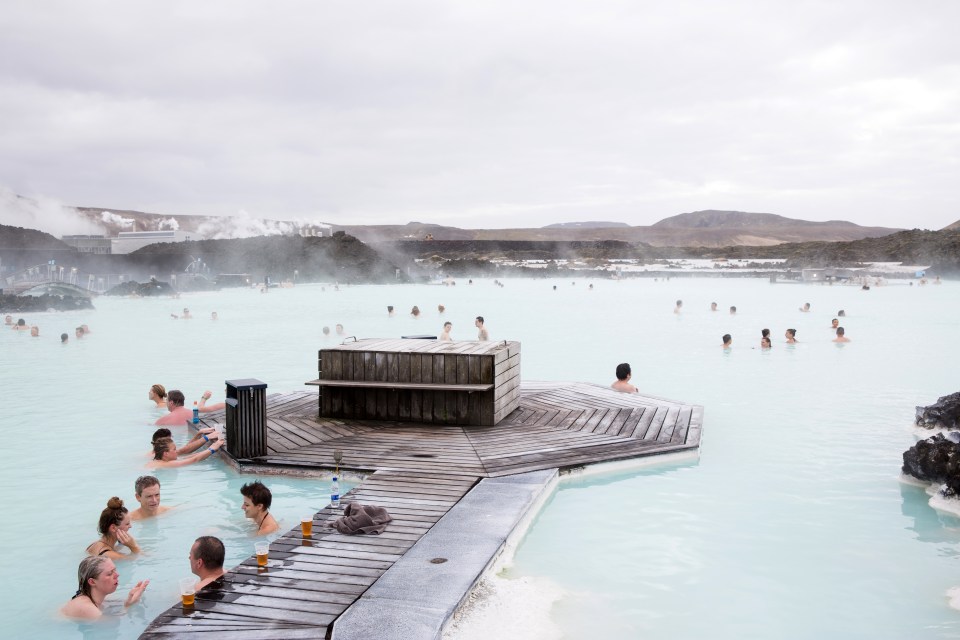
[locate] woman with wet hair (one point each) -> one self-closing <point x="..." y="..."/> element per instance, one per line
<point x="114" y="528"/>
<point x="98" y="578"/>
<point x="765" y="342"/>
<point x="158" y="394"/>
<point x="791" y="336"/>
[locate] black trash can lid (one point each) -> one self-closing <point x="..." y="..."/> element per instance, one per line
<point x="246" y="383"/>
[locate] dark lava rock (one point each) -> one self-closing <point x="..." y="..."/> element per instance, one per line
<point x="34" y="304"/>
<point x="935" y="459"/>
<point x="944" y="414"/>
<point x="132" y="288"/>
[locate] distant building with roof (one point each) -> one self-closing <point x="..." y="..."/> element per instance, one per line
<point x="89" y="244"/>
<point x="129" y="241"/>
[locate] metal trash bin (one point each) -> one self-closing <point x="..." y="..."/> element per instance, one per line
<point x="246" y="418"/>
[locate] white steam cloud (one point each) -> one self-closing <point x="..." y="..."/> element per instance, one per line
<point x="114" y="219"/>
<point x="244" y="226"/>
<point x="170" y="224"/>
<point x="45" y="214"/>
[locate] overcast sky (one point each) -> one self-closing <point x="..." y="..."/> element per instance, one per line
<point x="486" y="113"/>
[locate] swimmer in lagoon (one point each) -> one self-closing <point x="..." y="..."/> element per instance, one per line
<point x="727" y="341"/>
<point x="147" y="491"/>
<point x="441" y="308"/>
<point x="791" y="336"/>
<point x="214" y="316"/>
<point x="21" y="325"/>
<point x="339" y="330"/>
<point x="622" y="383"/>
<point x="114" y="528"/>
<point x="64" y="338"/>
<point x="765" y="342"/>
<point x="841" y="335"/>
<point x="482" y="333"/>
<point x="98" y="578"/>
<point x="35" y="331"/>
<point x="200" y="438"/>
<point x="326" y="331"/>
<point x="158" y="393"/>
<point x="834" y="324"/>
<point x="165" y="453"/>
<point x="8" y="320"/>
<point x="713" y="306"/>
<point x="733" y="311"/>
<point x="206" y="560"/>
<point x="256" y="506"/>
<point x="179" y="414"/>
<point x="765" y="333"/>
<point x="445" y="336"/>
<point x="805" y="308"/>
<point x="390" y="313"/>
<point x="842" y="313"/>
<point x="78" y="332"/>
<point x="676" y="309"/>
<point x="415" y="312"/>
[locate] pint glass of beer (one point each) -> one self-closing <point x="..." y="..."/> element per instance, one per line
<point x="188" y="591"/>
<point x="306" y="526"/>
<point x="262" y="549"/>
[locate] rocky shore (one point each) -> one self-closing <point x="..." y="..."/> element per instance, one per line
<point x="34" y="304"/>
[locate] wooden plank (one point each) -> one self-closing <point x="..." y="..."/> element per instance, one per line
<point x="374" y="384"/>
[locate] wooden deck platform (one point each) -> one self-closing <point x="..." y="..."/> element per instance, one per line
<point x="418" y="472"/>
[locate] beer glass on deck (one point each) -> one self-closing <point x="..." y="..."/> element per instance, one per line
<point x="262" y="550"/>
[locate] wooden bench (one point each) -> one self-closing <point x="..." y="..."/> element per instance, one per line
<point x="421" y="386"/>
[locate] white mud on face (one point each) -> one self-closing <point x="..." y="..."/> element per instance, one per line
<point x="508" y="609"/>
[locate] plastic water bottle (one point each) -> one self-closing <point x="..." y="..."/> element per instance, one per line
<point x="335" y="493"/>
<point x="196" y="413"/>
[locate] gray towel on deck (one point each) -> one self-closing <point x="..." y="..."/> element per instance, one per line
<point x="358" y="518"/>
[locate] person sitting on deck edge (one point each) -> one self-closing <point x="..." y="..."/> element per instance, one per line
<point x="623" y="379"/>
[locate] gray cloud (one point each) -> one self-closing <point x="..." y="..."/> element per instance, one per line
<point x="490" y="114"/>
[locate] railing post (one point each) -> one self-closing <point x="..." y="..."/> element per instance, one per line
<point x="246" y="418"/>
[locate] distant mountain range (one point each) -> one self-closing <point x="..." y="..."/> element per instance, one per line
<point x="710" y="228"/>
<point x="696" y="229"/>
<point x="585" y="225"/>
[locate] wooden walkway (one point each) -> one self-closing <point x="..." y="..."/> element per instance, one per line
<point x="418" y="472"/>
<point x="309" y="582"/>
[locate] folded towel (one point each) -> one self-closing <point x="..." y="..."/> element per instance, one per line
<point x="358" y="518"/>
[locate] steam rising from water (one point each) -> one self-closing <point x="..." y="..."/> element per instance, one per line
<point x="43" y="213"/>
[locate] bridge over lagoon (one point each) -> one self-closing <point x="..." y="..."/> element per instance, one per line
<point x="460" y="481"/>
<point x="54" y="279"/>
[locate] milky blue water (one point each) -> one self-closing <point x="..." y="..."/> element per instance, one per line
<point x="792" y="524"/>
